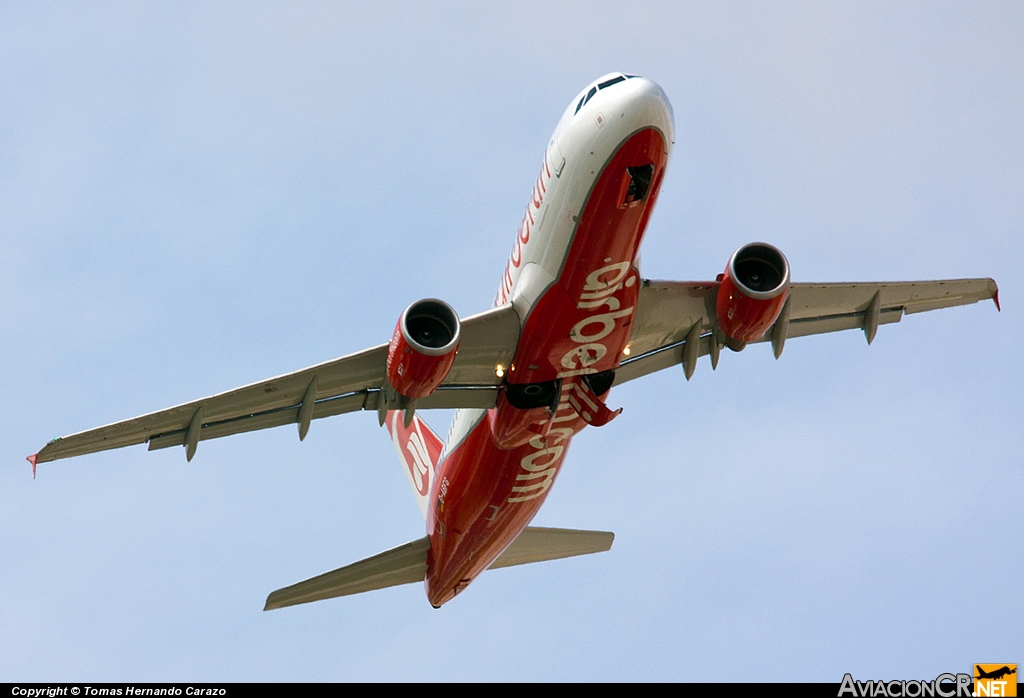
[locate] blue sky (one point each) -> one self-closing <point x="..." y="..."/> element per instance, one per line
<point x="195" y="197"/>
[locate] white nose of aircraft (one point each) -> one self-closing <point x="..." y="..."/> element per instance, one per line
<point x="623" y="102"/>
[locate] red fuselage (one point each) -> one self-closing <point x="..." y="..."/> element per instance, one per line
<point x="497" y="472"/>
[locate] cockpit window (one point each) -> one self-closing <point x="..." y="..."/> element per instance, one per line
<point x="585" y="99"/>
<point x="609" y="83"/>
<point x="600" y="86"/>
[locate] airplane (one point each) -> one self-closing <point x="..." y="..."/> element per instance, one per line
<point x="995" y="674"/>
<point x="572" y="318"/>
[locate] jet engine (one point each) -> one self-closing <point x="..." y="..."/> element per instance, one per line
<point x="754" y="288"/>
<point x="423" y="348"/>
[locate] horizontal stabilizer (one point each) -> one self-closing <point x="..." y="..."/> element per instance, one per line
<point x="407" y="564"/>
<point x="402" y="565"/>
<point x="540" y="544"/>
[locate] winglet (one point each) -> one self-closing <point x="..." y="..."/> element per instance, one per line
<point x="32" y="459"/>
<point x="995" y="298"/>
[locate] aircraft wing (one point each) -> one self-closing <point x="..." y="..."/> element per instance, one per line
<point x="347" y="384"/>
<point x="669" y="313"/>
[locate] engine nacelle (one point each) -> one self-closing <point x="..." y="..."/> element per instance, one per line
<point x="754" y="288"/>
<point x="423" y="348"/>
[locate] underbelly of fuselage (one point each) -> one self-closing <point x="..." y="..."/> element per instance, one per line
<point x="484" y="492"/>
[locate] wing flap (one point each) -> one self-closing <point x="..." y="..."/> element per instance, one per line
<point x="667" y="310"/>
<point x="445" y="397"/>
<point x="267" y="402"/>
<point x="804" y="327"/>
<point x="266" y="420"/>
<point x="343" y="385"/>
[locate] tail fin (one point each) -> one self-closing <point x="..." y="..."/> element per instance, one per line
<point x="420" y="450"/>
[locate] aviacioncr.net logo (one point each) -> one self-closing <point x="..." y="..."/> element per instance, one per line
<point x="995" y="680"/>
<point x="943" y="686"/>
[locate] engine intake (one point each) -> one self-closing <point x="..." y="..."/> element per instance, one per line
<point x="423" y="348"/>
<point x="753" y="290"/>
